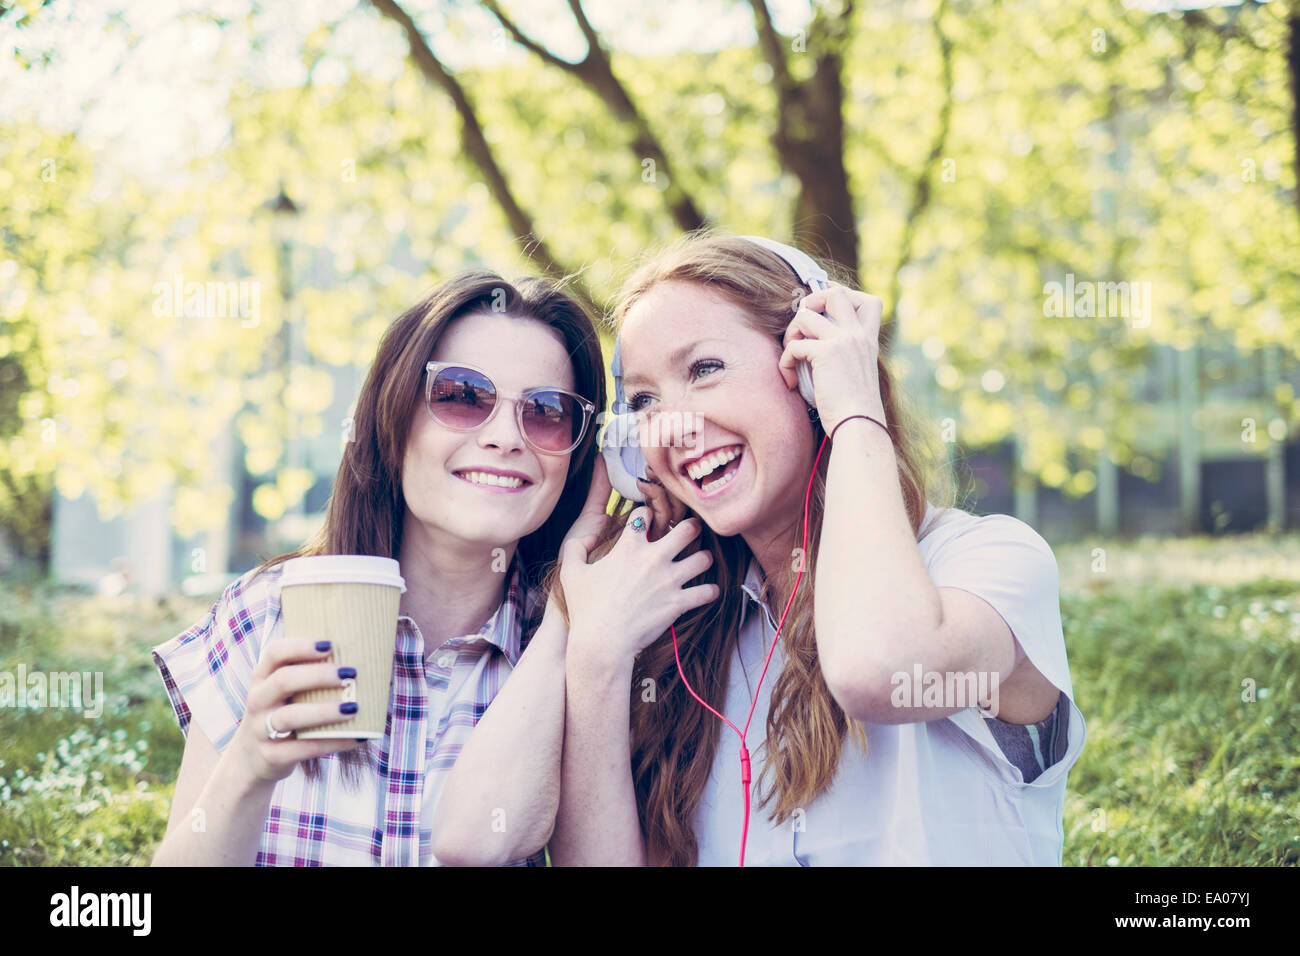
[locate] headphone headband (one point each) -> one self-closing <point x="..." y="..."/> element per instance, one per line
<point x="809" y="272"/>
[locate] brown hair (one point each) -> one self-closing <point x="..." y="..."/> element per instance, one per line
<point x="674" y="739"/>
<point x="366" y="509"/>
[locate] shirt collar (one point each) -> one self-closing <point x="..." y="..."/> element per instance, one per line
<point x="753" y="581"/>
<point x="517" y="611"/>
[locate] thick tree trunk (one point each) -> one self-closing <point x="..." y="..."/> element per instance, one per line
<point x="809" y="141"/>
<point x="809" y="134"/>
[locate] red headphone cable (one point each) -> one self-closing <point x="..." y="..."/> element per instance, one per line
<point x="744" y="751"/>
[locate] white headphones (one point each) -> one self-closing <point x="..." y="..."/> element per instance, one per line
<point x="619" y="441"/>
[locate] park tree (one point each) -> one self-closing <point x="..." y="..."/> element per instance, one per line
<point x="960" y="157"/>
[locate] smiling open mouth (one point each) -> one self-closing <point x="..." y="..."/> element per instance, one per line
<point x="717" y="470"/>
<point x="489" y="480"/>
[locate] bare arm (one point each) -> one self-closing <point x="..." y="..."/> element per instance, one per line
<point x="868" y="555"/>
<point x="597" y="823"/>
<point x="222" y="799"/>
<point x="618" y="605"/>
<point x="509" y="770"/>
<point x="217" y="812"/>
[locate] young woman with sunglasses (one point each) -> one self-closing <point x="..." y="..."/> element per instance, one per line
<point x="470" y="458"/>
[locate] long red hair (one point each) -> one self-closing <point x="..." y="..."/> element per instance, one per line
<point x="674" y="739"/>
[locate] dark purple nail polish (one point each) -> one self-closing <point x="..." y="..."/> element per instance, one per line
<point x="347" y="672"/>
<point x="349" y="708"/>
<point x="322" y="645"/>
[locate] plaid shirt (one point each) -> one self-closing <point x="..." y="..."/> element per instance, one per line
<point x="433" y="706"/>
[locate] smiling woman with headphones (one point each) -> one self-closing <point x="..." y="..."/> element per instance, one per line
<point x="911" y="704"/>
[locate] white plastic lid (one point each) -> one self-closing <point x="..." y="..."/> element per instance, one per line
<point x="342" y="569"/>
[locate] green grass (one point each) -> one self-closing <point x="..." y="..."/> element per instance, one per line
<point x="1178" y="768"/>
<point x="78" y="790"/>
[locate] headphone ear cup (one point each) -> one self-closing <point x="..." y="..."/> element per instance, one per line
<point x="625" y="463"/>
<point x="804" y="370"/>
<point x="804" y="367"/>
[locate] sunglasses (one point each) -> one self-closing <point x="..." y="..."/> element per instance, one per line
<point x="463" y="398"/>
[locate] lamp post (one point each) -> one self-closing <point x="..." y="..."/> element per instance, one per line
<point x="284" y="212"/>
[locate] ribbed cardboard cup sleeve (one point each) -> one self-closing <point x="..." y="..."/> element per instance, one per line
<point x="360" y="622"/>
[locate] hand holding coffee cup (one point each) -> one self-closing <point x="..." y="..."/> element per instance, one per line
<point x="289" y="667"/>
<point x="351" y="601"/>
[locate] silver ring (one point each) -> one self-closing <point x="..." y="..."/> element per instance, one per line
<point x="637" y="524"/>
<point x="272" y="733"/>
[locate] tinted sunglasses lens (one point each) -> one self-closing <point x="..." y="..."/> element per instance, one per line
<point x="551" y="420"/>
<point x="461" y="397"/>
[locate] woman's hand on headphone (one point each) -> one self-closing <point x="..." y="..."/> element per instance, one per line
<point x="843" y="350"/>
<point x="620" y="603"/>
<point x="667" y="512"/>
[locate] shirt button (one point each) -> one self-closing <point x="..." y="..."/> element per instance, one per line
<point x="446" y="660"/>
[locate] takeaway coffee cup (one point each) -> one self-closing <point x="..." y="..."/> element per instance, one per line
<point x="350" y="600"/>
